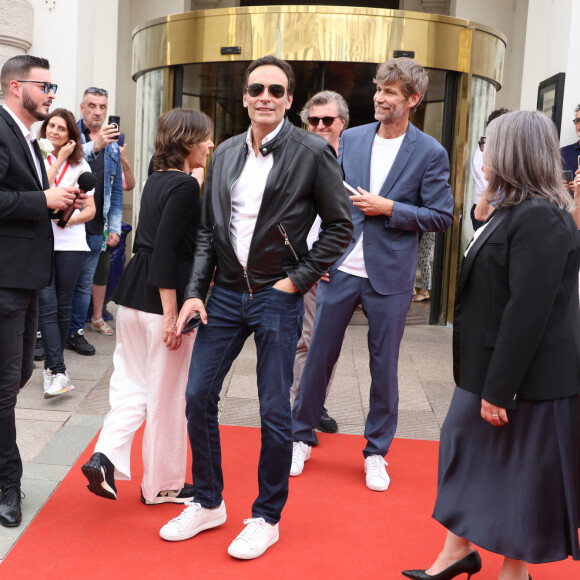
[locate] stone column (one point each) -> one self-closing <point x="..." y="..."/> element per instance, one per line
<point x="16" y="25"/>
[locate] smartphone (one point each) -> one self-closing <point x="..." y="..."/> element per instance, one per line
<point x="351" y="188"/>
<point x="121" y="140"/>
<point x="115" y="120"/>
<point x="192" y="324"/>
<point x="568" y="175"/>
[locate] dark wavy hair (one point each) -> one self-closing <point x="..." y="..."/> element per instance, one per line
<point x="73" y="133"/>
<point x="178" y="132"/>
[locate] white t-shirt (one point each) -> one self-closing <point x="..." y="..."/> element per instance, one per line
<point x="247" y="194"/>
<point x="382" y="159"/>
<point x="72" y="238"/>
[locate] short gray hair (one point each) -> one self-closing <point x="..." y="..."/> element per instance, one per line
<point x="577" y="108"/>
<point x="522" y="158"/>
<point x="412" y="77"/>
<point x="323" y="98"/>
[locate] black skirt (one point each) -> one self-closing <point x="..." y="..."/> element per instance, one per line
<point x="513" y="490"/>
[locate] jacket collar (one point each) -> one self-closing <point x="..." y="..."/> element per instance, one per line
<point x="278" y="140"/>
<point x="494" y="222"/>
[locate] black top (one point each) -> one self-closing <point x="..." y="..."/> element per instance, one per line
<point x="164" y="242"/>
<point x="97" y="164"/>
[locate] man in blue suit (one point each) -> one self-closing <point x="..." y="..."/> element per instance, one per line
<point x="402" y="176"/>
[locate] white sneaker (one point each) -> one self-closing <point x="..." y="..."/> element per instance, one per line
<point x="47" y="378"/>
<point x="254" y="539"/>
<point x="300" y="454"/>
<point x="192" y="520"/>
<point x="377" y="477"/>
<point x="59" y="384"/>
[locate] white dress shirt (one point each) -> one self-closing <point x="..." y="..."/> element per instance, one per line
<point x="247" y="195"/>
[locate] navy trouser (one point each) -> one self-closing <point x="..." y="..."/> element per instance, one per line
<point x="336" y="302"/>
<point x="275" y="319"/>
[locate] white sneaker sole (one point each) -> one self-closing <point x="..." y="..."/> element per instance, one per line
<point x="245" y="556"/>
<point x="179" y="536"/>
<point x="52" y="394"/>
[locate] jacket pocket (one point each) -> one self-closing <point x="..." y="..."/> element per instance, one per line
<point x="287" y="241"/>
<point x="491" y="338"/>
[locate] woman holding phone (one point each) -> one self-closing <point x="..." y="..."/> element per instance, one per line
<point x="150" y="362"/>
<point x="63" y="166"/>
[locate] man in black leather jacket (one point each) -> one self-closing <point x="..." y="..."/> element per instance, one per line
<point x="262" y="193"/>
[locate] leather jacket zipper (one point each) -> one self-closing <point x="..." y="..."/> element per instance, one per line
<point x="287" y="241"/>
<point x="248" y="283"/>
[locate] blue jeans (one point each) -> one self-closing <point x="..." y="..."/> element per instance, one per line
<point x="84" y="289"/>
<point x="55" y="305"/>
<point x="275" y="319"/>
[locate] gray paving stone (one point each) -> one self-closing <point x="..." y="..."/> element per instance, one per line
<point x="67" y="445"/>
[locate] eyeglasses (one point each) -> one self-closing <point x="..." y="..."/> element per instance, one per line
<point x="256" y="89"/>
<point x="97" y="91"/>
<point x="576" y="121"/>
<point x="46" y="86"/>
<point x="481" y="143"/>
<point x="326" y="121"/>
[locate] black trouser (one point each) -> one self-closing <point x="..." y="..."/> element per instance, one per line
<point x="18" y="322"/>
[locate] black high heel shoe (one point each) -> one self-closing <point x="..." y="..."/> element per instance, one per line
<point x="469" y="565"/>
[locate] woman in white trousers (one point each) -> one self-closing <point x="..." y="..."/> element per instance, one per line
<point x="151" y="364"/>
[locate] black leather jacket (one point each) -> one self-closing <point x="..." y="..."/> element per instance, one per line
<point x="305" y="180"/>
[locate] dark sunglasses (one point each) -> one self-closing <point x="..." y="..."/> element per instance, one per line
<point x="256" y="89"/>
<point x="481" y="143"/>
<point x="326" y="121"/>
<point x="576" y="121"/>
<point x="97" y="91"/>
<point x="46" y="86"/>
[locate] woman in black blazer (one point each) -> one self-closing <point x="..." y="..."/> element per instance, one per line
<point x="151" y="362"/>
<point x="509" y="454"/>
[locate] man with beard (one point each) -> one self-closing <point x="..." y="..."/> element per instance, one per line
<point x="402" y="177"/>
<point x="26" y="244"/>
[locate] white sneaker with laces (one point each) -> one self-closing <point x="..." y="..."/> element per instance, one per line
<point x="377" y="477"/>
<point x="300" y="454"/>
<point x="254" y="539"/>
<point x="192" y="520"/>
<point x="59" y="384"/>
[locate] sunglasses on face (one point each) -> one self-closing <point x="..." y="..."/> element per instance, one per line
<point x="46" y="86"/>
<point x="576" y="121"/>
<point x="256" y="89"/>
<point x="481" y="143"/>
<point x="97" y="91"/>
<point x="326" y="121"/>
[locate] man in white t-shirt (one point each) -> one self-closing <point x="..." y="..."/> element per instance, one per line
<point x="402" y="176"/>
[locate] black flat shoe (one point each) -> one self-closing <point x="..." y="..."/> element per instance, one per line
<point x="10" y="510"/>
<point x="469" y="565"/>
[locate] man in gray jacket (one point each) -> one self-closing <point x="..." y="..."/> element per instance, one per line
<point x="262" y="193"/>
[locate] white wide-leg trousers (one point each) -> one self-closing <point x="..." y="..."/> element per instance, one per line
<point x="148" y="383"/>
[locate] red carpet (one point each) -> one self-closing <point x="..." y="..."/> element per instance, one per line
<point x="332" y="527"/>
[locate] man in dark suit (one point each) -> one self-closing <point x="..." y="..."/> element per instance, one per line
<point x="403" y="180"/>
<point x="26" y="245"/>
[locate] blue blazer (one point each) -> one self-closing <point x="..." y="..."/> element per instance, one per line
<point x="418" y="183"/>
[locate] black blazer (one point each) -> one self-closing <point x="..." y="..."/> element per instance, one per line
<point x="26" y="240"/>
<point x="516" y="332"/>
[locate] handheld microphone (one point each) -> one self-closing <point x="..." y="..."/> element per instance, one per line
<point x="86" y="181"/>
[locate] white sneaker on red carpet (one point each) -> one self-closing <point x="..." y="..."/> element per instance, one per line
<point x="300" y="453"/>
<point x="377" y="477"/>
<point x="192" y="520"/>
<point x="254" y="539"/>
